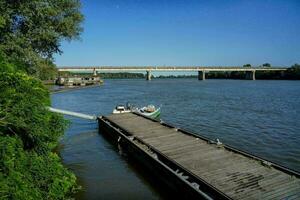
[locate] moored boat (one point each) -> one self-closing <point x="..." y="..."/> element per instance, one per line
<point x="121" y="109"/>
<point x="148" y="111"/>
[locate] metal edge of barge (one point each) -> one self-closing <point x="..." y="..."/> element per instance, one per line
<point x="183" y="182"/>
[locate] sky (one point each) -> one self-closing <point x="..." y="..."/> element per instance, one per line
<point x="186" y="33"/>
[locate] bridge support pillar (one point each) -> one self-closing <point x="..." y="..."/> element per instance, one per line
<point x="250" y="75"/>
<point x="201" y="75"/>
<point x="94" y="72"/>
<point x="148" y="76"/>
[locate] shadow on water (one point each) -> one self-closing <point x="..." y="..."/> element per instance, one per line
<point x="147" y="177"/>
<point x="104" y="173"/>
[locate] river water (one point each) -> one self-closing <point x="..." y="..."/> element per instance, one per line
<point x="260" y="117"/>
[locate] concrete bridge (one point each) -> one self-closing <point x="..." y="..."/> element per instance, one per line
<point x="250" y="71"/>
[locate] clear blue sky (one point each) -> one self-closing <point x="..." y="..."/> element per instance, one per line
<point x="161" y="32"/>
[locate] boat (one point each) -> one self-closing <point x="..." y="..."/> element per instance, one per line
<point x="148" y="111"/>
<point x="122" y="109"/>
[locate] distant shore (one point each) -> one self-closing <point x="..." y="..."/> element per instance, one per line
<point x="292" y="73"/>
<point x="59" y="89"/>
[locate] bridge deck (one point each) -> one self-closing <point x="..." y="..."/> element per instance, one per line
<point x="168" y="68"/>
<point x="236" y="175"/>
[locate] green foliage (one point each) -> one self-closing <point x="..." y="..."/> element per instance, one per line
<point x="4" y="66"/>
<point x="29" y="175"/>
<point x="31" y="32"/>
<point x="295" y="67"/>
<point x="177" y="76"/>
<point x="294" y="72"/>
<point x="266" y="65"/>
<point x="121" y="75"/>
<point x="247" y="65"/>
<point x="28" y="133"/>
<point x="118" y="75"/>
<point x="271" y="75"/>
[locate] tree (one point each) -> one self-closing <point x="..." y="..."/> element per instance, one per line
<point x="293" y="72"/>
<point x="31" y="31"/>
<point x="266" y="65"/>
<point x="296" y="66"/>
<point x="29" y="169"/>
<point x="247" y="65"/>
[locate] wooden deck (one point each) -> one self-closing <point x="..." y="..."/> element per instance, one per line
<point x="236" y="174"/>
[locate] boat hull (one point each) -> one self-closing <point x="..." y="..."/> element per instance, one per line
<point x="153" y="115"/>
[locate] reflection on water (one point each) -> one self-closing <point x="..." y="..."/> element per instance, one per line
<point x="261" y="117"/>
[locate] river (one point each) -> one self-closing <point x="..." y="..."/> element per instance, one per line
<point x="261" y="117"/>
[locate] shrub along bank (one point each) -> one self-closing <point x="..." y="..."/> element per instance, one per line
<point x="29" y="169"/>
<point x="31" y="32"/>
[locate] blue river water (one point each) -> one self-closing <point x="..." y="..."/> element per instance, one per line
<point x="260" y="117"/>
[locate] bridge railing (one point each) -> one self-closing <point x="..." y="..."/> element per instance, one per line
<point x="169" y="68"/>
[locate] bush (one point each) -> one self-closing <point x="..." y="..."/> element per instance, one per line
<point x="28" y="133"/>
<point x="266" y="65"/>
<point x="294" y="72"/>
<point x="247" y="65"/>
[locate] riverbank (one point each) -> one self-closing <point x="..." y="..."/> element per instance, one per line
<point x="29" y="132"/>
<point x="58" y="89"/>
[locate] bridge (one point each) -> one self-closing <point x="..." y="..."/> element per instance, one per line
<point x="202" y="70"/>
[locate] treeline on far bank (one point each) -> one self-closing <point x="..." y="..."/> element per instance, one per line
<point x="292" y="73"/>
<point x="123" y="75"/>
<point x="119" y="75"/>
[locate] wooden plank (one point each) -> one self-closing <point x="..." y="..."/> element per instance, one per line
<point x="138" y="123"/>
<point x="258" y="171"/>
<point x="248" y="187"/>
<point x="244" y="174"/>
<point x="215" y="180"/>
<point x="280" y="187"/>
<point x="260" y="191"/>
<point x="236" y="175"/>
<point x="153" y="135"/>
<point x="285" y="190"/>
<point x="122" y="117"/>
<point x="145" y="132"/>
<point x="159" y="131"/>
<point x="213" y="172"/>
<point x="177" y="139"/>
<point x="191" y="150"/>
<point x="294" y="196"/>
<point x="284" y="193"/>
<point x="162" y="146"/>
<point x="138" y="127"/>
<point x="208" y="154"/>
<point x="226" y="173"/>
<point x="130" y="119"/>
<point x="271" y="182"/>
<point x="188" y="156"/>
